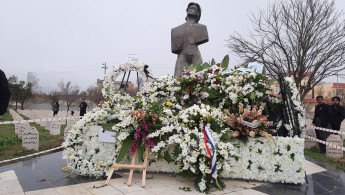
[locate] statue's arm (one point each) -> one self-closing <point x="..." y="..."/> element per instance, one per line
<point x="201" y="35"/>
<point x="176" y="41"/>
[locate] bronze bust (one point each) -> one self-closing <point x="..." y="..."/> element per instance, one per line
<point x="186" y="38"/>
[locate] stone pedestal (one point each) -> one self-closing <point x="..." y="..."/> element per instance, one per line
<point x="332" y="152"/>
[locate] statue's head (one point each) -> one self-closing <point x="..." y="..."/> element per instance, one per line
<point x="194" y="10"/>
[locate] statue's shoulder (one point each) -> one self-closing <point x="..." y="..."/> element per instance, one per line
<point x="201" y="27"/>
<point x="179" y="28"/>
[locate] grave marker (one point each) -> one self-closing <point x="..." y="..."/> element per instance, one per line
<point x="332" y="152"/>
<point x="308" y="143"/>
<point x="30" y="139"/>
<point x="21" y="128"/>
<point x="69" y="126"/>
<point x="55" y="128"/>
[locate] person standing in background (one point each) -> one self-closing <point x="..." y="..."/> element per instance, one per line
<point x="321" y="119"/>
<point x="337" y="113"/>
<point x="55" y="108"/>
<point x="83" y="106"/>
<point x="5" y="93"/>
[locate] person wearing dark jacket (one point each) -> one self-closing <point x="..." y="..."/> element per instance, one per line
<point x="321" y="119"/>
<point x="4" y="93"/>
<point x="337" y="113"/>
<point x="55" y="108"/>
<point x="83" y="106"/>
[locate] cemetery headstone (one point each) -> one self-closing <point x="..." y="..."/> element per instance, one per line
<point x="30" y="139"/>
<point x="47" y="124"/>
<point x="332" y="152"/>
<point x="69" y="126"/>
<point x="54" y="128"/>
<point x="308" y="143"/>
<point x="21" y="128"/>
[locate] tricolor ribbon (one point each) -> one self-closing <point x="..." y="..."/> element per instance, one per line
<point x="327" y="130"/>
<point x="207" y="136"/>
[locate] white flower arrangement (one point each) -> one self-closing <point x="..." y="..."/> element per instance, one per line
<point x="297" y="106"/>
<point x="192" y="101"/>
<point x="108" y="83"/>
<point x="279" y="159"/>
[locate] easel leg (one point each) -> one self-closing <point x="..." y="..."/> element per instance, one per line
<point x="110" y="174"/>
<point x="144" y="170"/>
<point x="129" y="183"/>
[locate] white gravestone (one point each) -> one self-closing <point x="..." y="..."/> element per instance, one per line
<point x="69" y="126"/>
<point x="30" y="139"/>
<point x="332" y="152"/>
<point x="21" y="128"/>
<point x="308" y="143"/>
<point x="55" y="128"/>
<point x="47" y="124"/>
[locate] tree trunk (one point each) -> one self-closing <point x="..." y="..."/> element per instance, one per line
<point x="22" y="105"/>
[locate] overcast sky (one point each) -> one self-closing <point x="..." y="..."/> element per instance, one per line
<point x="69" y="40"/>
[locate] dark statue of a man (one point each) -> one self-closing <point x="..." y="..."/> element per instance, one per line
<point x="186" y="38"/>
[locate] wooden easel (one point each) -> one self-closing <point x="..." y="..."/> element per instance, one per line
<point x="131" y="166"/>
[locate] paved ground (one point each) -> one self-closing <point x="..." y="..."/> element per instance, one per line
<point x="43" y="175"/>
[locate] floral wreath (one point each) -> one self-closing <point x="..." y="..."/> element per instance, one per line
<point x="297" y="106"/>
<point x="188" y="126"/>
<point x="109" y="84"/>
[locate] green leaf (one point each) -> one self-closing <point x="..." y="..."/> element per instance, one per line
<point x="271" y="81"/>
<point x="212" y="93"/>
<point x="126" y="146"/>
<point x="264" y="70"/>
<point x="213" y="62"/>
<point x="225" y="62"/>
<point x="141" y="150"/>
<point x="160" y="102"/>
<point x="252" y="96"/>
<point x="167" y="157"/>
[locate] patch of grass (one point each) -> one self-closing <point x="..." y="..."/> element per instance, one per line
<point x="315" y="154"/>
<point x="8" y="129"/>
<point x="11" y="145"/>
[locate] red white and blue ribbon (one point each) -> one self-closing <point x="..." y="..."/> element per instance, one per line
<point x="207" y="136"/>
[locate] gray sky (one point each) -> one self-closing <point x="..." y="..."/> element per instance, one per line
<point x="69" y="40"/>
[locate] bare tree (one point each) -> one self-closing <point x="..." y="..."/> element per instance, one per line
<point x="94" y="93"/>
<point x="302" y="37"/>
<point x="68" y="93"/>
<point x="32" y="78"/>
<point x="54" y="96"/>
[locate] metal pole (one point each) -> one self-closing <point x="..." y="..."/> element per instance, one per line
<point x="105" y="67"/>
<point x="336" y="93"/>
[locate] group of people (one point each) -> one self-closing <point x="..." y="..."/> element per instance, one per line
<point x="327" y="116"/>
<point x="82" y="106"/>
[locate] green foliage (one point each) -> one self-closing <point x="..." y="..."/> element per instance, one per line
<point x="7" y="142"/>
<point x="264" y="70"/>
<point x="108" y="126"/>
<point x="199" y="66"/>
<point x="20" y="90"/>
<point x="314" y="153"/>
<point x="141" y="151"/>
<point x="225" y="62"/>
<point x="126" y="146"/>
<point x="213" y="62"/>
<point x="271" y="81"/>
